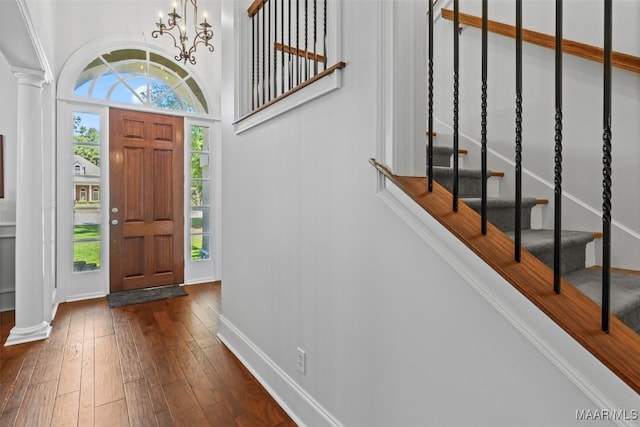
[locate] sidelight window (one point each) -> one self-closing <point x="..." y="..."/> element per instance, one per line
<point x="86" y="180"/>
<point x="200" y="193"/>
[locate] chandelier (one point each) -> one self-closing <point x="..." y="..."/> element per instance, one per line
<point x="203" y="31"/>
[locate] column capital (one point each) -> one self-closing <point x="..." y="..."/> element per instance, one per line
<point x="28" y="77"/>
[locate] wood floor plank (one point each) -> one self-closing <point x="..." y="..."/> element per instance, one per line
<point x="206" y="366"/>
<point x="180" y="397"/>
<point x="50" y="360"/>
<point x="103" y="322"/>
<point x="71" y="370"/>
<point x="65" y="410"/>
<point x="218" y="414"/>
<point x="191" y="418"/>
<point x="37" y="407"/>
<point x="112" y="414"/>
<point x="107" y="371"/>
<point x="200" y="333"/>
<point x="202" y="388"/>
<point x="139" y="403"/>
<point x="129" y="360"/>
<point x="148" y="368"/>
<point x="21" y="383"/>
<point x="86" y="411"/>
<point x="245" y="388"/>
<point x="150" y="364"/>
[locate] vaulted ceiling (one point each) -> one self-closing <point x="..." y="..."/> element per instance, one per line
<point x="18" y="41"/>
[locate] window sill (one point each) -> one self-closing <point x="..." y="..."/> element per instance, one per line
<point x="320" y="84"/>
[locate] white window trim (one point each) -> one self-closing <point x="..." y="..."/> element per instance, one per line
<point x="199" y="271"/>
<point x="91" y="284"/>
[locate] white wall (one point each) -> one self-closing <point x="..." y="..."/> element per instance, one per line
<point x="8" y="203"/>
<point x="8" y="120"/>
<point x="313" y="258"/>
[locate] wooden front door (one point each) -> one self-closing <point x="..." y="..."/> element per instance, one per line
<point x="146" y="204"/>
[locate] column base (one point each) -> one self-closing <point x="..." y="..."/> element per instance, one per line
<point x="23" y="335"/>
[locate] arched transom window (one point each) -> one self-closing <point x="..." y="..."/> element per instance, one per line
<point x="139" y="77"/>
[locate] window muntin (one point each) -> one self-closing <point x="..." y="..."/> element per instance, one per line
<point x="132" y="76"/>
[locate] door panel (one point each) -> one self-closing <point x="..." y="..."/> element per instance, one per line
<point x="146" y="179"/>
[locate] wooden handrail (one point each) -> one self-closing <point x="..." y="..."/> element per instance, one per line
<point x="255" y="7"/>
<point x="582" y="50"/>
<point x="299" y="52"/>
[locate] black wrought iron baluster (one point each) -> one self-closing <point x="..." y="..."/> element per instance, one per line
<point x="275" y="52"/>
<point x="606" y="170"/>
<point x="290" y="47"/>
<point x="306" y="39"/>
<point x="518" y="168"/>
<point x="324" y="37"/>
<point x="557" y="225"/>
<point x="430" y="101"/>
<point x="297" y="42"/>
<point x="483" y="124"/>
<point x="456" y="98"/>
<point x="268" y="50"/>
<point x="315" y="37"/>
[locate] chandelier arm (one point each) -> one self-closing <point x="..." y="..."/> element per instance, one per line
<point x="203" y="31"/>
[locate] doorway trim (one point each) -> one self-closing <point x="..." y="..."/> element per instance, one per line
<point x="94" y="284"/>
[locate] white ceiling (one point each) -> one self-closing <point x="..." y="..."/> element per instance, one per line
<point x="16" y="42"/>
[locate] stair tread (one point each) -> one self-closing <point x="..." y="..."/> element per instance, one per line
<point x="444" y="149"/>
<point x="446" y="171"/>
<point x="500" y="203"/>
<point x="538" y="240"/>
<point x="625" y="289"/>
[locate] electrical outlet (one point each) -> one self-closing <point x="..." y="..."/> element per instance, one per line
<point x="302" y="361"/>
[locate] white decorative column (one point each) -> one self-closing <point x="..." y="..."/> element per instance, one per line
<point x="31" y="321"/>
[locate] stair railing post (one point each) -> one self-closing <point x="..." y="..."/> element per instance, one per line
<point x="456" y="98"/>
<point x="557" y="225"/>
<point x="430" y="101"/>
<point x="483" y="131"/>
<point x="606" y="170"/>
<point x="518" y="167"/>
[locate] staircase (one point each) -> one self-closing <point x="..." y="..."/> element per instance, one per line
<point x="625" y="285"/>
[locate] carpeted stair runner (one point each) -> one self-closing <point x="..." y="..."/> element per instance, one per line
<point x="625" y="295"/>
<point x="501" y="212"/>
<point x="625" y="292"/>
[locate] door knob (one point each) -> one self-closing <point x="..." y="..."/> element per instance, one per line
<point x="114" y="210"/>
<point x="114" y="222"/>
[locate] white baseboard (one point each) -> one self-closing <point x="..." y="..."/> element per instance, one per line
<point x="7" y="299"/>
<point x="294" y="400"/>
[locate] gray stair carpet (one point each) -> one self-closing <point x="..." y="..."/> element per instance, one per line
<point x="573" y="246"/>
<point x="469" y="180"/>
<point x="625" y="294"/>
<point x="501" y="212"/>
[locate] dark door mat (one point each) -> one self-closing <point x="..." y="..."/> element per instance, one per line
<point x="138" y="296"/>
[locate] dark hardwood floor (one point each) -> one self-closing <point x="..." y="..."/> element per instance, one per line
<point x="150" y="364"/>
